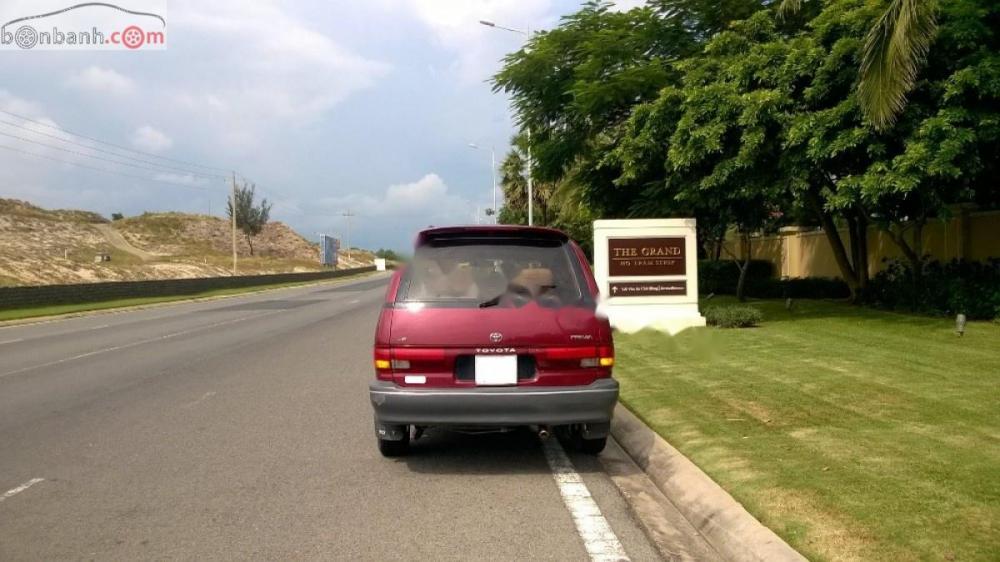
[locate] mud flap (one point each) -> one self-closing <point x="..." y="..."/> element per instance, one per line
<point x="595" y="430"/>
<point x="387" y="432"/>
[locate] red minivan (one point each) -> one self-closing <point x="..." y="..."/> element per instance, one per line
<point x="493" y="327"/>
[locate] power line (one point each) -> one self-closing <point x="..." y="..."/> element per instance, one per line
<point x="129" y="160"/>
<point x="104" y="170"/>
<point x="275" y="195"/>
<point x="84" y="154"/>
<point x="43" y="124"/>
<point x="96" y="149"/>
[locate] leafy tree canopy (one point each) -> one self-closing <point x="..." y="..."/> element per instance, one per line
<point x="749" y="122"/>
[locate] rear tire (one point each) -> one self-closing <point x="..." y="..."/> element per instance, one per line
<point x="394" y="448"/>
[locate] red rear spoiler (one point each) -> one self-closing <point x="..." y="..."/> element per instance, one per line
<point x="506" y="231"/>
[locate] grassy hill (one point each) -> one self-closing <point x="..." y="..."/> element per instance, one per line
<point x="40" y="246"/>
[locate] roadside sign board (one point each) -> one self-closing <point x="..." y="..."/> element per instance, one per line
<point x="328" y="247"/>
<point x="646" y="256"/>
<point x="647" y="272"/>
<point x="649" y="289"/>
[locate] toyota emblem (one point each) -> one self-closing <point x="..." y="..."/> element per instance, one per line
<point x="496" y="337"/>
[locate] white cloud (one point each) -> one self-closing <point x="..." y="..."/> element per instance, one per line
<point x="150" y="139"/>
<point x="424" y="200"/>
<point x="182" y="179"/>
<point x="25" y="118"/>
<point x="10" y="102"/>
<point x="478" y="48"/>
<point x="285" y="71"/>
<point x="102" y="80"/>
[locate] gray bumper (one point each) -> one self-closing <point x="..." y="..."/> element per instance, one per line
<point x="494" y="406"/>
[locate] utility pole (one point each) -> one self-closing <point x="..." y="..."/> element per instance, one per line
<point x="233" y="209"/>
<point x="348" y="215"/>
<point x="493" y="170"/>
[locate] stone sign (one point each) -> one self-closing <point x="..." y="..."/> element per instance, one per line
<point x="647" y="271"/>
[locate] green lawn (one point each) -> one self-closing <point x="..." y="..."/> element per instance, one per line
<point x="39" y="311"/>
<point x="854" y="434"/>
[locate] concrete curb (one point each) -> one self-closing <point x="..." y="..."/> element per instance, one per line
<point x="735" y="534"/>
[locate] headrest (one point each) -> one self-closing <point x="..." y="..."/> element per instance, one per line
<point x="534" y="279"/>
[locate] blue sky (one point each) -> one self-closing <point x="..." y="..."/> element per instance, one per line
<point x="328" y="106"/>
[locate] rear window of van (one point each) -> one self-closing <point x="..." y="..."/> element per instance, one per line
<point x="493" y="272"/>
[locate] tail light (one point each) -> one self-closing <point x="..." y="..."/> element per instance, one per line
<point x="391" y="361"/>
<point x="383" y="363"/>
<point x="606" y="356"/>
<point x="586" y="357"/>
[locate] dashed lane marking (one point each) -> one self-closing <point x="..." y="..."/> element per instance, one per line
<point x="204" y="397"/>
<point x="21" y="488"/>
<point x="132" y="344"/>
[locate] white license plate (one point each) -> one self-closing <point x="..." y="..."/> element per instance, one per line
<point x="495" y="370"/>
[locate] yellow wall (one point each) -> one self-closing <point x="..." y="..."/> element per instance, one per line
<point x="801" y="252"/>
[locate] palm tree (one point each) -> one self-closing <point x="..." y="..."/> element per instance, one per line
<point x="894" y="48"/>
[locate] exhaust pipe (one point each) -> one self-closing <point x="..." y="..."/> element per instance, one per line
<point x="543" y="432"/>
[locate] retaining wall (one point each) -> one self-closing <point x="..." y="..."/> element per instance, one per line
<point x="47" y="295"/>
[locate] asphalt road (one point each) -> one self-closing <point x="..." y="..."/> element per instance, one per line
<point x="241" y="429"/>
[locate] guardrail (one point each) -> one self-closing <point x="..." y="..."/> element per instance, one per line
<point x="47" y="295"/>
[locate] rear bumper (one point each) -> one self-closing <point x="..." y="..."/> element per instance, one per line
<point x="494" y="406"/>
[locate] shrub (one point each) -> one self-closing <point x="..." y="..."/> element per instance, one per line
<point x="720" y="277"/>
<point x="799" y="288"/>
<point x="970" y="288"/>
<point x="733" y="316"/>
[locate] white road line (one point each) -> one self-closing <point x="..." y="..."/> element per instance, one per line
<point x="11" y="341"/>
<point x="134" y="344"/>
<point x="98" y="327"/>
<point x="204" y="397"/>
<point x="600" y="541"/>
<point x="21" y="488"/>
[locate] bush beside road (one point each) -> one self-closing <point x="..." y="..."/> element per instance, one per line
<point x="855" y="434"/>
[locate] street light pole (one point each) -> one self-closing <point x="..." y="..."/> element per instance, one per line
<point x="531" y="190"/>
<point x="493" y="170"/>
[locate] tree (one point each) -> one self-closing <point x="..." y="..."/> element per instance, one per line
<point x="390" y="255"/>
<point x="894" y="48"/>
<point x="575" y="86"/>
<point x="762" y="102"/>
<point x="117" y="216"/>
<point x="514" y="184"/>
<point x="745" y="123"/>
<point x="250" y="218"/>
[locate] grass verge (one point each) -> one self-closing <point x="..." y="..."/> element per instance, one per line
<point x="56" y="310"/>
<point x="855" y="434"/>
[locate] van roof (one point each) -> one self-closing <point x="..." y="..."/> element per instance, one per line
<point x="487" y="231"/>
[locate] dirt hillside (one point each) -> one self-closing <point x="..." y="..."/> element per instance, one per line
<point x="40" y="246"/>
